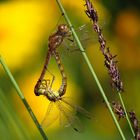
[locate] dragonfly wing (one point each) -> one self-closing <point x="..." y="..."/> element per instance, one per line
<point x="79" y="109"/>
<point x="76" y="124"/>
<point x="83" y="111"/>
<point x="69" y="118"/>
<point x="64" y="108"/>
<point x="63" y="120"/>
<point x="51" y="116"/>
<point x="86" y="35"/>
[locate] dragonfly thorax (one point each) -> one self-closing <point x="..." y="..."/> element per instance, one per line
<point x="56" y="39"/>
<point x="53" y="95"/>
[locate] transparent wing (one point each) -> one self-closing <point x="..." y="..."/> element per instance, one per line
<point x="69" y="117"/>
<point x="79" y="109"/>
<point x="86" y="32"/>
<point x="63" y="120"/>
<point x="86" y="35"/>
<point x="69" y="111"/>
<point x="51" y="115"/>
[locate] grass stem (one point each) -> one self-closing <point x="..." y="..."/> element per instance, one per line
<point x="128" y="120"/>
<point x="6" y="69"/>
<point x="91" y="69"/>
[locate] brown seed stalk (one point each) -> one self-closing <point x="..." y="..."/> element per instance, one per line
<point x="135" y="124"/>
<point x="110" y="61"/>
<point x="118" y="110"/>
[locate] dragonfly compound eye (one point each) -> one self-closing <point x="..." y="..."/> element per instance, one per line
<point x="63" y="29"/>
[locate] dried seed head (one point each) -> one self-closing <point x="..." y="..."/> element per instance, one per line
<point x="91" y="12"/>
<point x="110" y="61"/>
<point x="135" y="124"/>
<point x="134" y="121"/>
<point x="118" y="110"/>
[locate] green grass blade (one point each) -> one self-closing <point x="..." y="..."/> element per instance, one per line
<point x="8" y="120"/>
<point x="127" y="118"/>
<point x="91" y="69"/>
<point x="23" y="99"/>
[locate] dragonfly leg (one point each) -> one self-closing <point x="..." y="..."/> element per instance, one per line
<point x="73" y="44"/>
<point x="75" y="50"/>
<point x="53" y="78"/>
<point x="47" y="83"/>
<point x="52" y="81"/>
<point x="44" y="84"/>
<point x="72" y="40"/>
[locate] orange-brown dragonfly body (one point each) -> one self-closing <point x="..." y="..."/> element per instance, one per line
<point x="44" y="87"/>
<point x="55" y="41"/>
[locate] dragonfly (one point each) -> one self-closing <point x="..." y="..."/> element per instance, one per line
<point x="55" y="41"/>
<point x="44" y="87"/>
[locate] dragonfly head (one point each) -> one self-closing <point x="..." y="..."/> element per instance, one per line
<point x="63" y="29"/>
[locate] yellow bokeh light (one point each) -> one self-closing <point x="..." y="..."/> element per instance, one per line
<point x="22" y="25"/>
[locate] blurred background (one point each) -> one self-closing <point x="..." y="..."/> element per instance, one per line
<point x="24" y="30"/>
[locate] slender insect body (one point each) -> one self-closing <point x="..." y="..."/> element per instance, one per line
<point x="55" y="41"/>
<point x="44" y="87"/>
<point x="63" y="86"/>
<point x="39" y="82"/>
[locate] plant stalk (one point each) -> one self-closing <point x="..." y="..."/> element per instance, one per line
<point x="128" y="120"/>
<point x="6" y="69"/>
<point x="91" y="69"/>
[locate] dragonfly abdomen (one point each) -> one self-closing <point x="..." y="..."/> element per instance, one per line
<point x="63" y="86"/>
